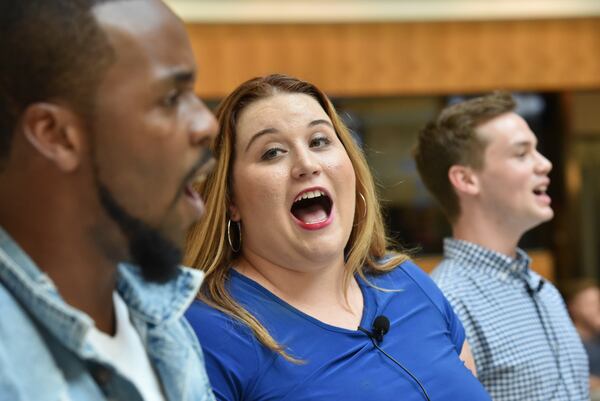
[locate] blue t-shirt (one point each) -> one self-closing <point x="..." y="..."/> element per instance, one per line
<point x="339" y="364"/>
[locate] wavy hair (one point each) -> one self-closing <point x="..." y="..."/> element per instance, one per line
<point x="207" y="248"/>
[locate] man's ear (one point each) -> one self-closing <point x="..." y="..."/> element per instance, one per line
<point x="463" y="179"/>
<point x="55" y="132"/>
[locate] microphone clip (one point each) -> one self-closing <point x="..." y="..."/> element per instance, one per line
<point x="381" y="325"/>
<point x="533" y="291"/>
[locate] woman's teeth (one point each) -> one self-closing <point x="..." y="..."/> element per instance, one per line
<point x="309" y="195"/>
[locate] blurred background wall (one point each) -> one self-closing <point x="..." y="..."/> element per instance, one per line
<point x="391" y="65"/>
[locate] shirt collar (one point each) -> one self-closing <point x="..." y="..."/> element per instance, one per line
<point x="486" y="260"/>
<point x="158" y="303"/>
<point x="150" y="302"/>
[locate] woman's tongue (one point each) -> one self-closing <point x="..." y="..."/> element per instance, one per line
<point x="311" y="214"/>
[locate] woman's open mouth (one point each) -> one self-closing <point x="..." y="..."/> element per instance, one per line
<point x="312" y="209"/>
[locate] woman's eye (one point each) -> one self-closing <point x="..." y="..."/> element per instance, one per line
<point x="271" y="153"/>
<point x="319" y="142"/>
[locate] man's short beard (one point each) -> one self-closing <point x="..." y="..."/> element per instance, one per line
<point x="157" y="256"/>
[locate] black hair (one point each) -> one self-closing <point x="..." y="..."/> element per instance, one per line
<point x="50" y="51"/>
<point x="157" y="257"/>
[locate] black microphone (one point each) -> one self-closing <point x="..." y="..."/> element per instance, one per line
<point x="532" y="291"/>
<point x="381" y="325"/>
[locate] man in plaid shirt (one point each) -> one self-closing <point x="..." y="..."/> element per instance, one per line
<point x="479" y="160"/>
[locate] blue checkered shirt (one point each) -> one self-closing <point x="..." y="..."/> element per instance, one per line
<point x="524" y="344"/>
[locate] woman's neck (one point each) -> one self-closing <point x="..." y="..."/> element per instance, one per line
<point x="319" y="291"/>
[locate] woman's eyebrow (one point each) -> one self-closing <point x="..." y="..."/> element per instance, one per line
<point x="260" y="133"/>
<point x="317" y="122"/>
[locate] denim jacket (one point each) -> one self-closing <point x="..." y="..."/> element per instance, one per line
<point x="43" y="350"/>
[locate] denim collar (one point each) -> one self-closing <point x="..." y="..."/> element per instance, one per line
<point x="152" y="303"/>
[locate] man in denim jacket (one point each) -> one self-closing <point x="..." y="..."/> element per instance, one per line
<point x="101" y="138"/>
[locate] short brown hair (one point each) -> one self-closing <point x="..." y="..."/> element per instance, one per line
<point x="451" y="139"/>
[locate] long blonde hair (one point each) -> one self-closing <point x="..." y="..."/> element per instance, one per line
<point x="207" y="246"/>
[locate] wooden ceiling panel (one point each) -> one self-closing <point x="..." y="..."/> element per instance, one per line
<point x="381" y="59"/>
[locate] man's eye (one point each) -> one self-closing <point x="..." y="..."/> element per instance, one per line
<point x="172" y="99"/>
<point x="272" y="153"/>
<point x="319" y="142"/>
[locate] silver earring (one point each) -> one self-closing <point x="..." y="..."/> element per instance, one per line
<point x="365" y="203"/>
<point x="229" y="236"/>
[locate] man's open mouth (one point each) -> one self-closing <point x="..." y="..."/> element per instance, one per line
<point x="312" y="207"/>
<point x="540" y="193"/>
<point x="195" y="183"/>
<point x="540" y="189"/>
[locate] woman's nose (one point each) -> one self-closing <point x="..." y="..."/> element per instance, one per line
<point x="305" y="165"/>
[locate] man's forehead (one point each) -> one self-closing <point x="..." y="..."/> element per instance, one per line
<point x="145" y="34"/>
<point x="508" y="126"/>
<point x="136" y="18"/>
<point x="134" y="14"/>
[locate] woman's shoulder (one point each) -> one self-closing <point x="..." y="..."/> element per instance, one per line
<point x="401" y="272"/>
<point x="221" y="334"/>
<point x="408" y="275"/>
<point x="232" y="353"/>
<point x="200" y="311"/>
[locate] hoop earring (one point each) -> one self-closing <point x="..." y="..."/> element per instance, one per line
<point x="365" y="203"/>
<point x="229" y="236"/>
